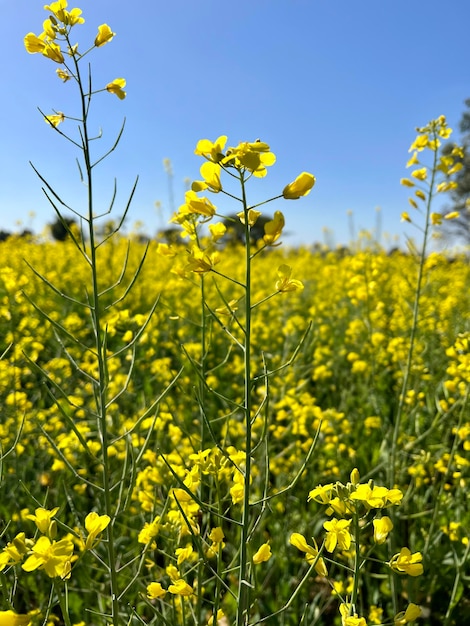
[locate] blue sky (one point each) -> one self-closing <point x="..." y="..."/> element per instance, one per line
<point x="334" y="87"/>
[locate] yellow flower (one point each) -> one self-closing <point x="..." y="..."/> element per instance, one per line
<point x="212" y="151"/>
<point x="183" y="554"/>
<point x="53" y="557"/>
<point x="322" y="494"/>
<point x="68" y="18"/>
<point x="414" y="160"/>
<point x="116" y="87"/>
<point x="43" y="520"/>
<point x="217" y="231"/>
<point x="55" y="120"/>
<point x="420" y="194"/>
<point x="73" y="17"/>
<point x="410" y="615"/>
<point x="419" y="143"/>
<point x="155" y="591"/>
<point x="211" y="174"/>
<point x="311" y="553"/>
<point x="104" y="35"/>
<point x="173" y="573"/>
<point x="58" y="9"/>
<point x="196" y="205"/>
<point x="63" y="74"/>
<point x="375" y="614"/>
<point x="456" y="168"/>
<point x="95" y="524"/>
<point x="407" y="182"/>
<point x="263" y="554"/>
<point x="301" y="186"/>
<point x="33" y="43"/>
<point x="382" y="527"/>
<point x="252" y="215"/>
<point x="436" y="219"/>
<point x="453" y="215"/>
<point x="149" y="532"/>
<point x="10" y="618"/>
<point x="337" y="534"/>
<point x="14" y="551"/>
<point x="373" y="497"/>
<point x="347" y="619"/>
<point x="420" y="174"/>
<point x="49" y="29"/>
<point x="215" y="620"/>
<point x="446" y="186"/>
<point x="52" y="51"/>
<point x="217" y="535"/>
<point x="254" y="157"/>
<point x="202" y="261"/>
<point x="273" y="228"/>
<point x="285" y="282"/>
<point x="181" y="588"/>
<point x="406" y="563"/>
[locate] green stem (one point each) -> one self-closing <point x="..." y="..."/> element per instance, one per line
<point x="62" y="596"/>
<point x="99" y="337"/>
<point x="244" y="583"/>
<point x="357" y="559"/>
<point x="414" y="327"/>
<point x="204" y="491"/>
<point x="409" y="362"/>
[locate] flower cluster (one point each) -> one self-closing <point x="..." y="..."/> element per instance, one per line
<point x="422" y="179"/>
<point x="354" y="507"/>
<point x="45" y="553"/>
<point x="241" y="162"/>
<point x="54" y="42"/>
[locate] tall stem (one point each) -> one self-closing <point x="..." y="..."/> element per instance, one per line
<point x="409" y="362"/>
<point x="414" y="328"/>
<point x="100" y="346"/>
<point x="244" y="583"/>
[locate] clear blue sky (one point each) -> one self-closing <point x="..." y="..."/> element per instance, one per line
<point x="335" y="87"/>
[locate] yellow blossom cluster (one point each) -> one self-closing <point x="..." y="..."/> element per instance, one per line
<point x="54" y="43"/>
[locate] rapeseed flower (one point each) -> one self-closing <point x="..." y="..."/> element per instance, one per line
<point x="44" y="522"/>
<point x="210" y="172"/>
<point x="311" y="553"/>
<point x="412" y="613"/>
<point x="196" y="205"/>
<point x="10" y="618"/>
<point x="337" y="534"/>
<point x="55" y="120"/>
<point x="263" y="554"/>
<point x="348" y="618"/>
<point x="104" y="35"/>
<point x="301" y="186"/>
<point x="54" y="557"/>
<point x="117" y="87"/>
<point x="211" y="151"/>
<point x="155" y="591"/>
<point x="382" y="527"/>
<point x="407" y="563"/>
<point x="181" y="588"/>
<point x="254" y="157"/>
<point x="34" y="44"/>
<point x="285" y="282"/>
<point x="273" y="229"/>
<point x="95" y="524"/>
<point x="15" y="551"/>
<point x="184" y="554"/>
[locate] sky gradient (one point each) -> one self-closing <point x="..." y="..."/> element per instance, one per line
<point x="335" y="88"/>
